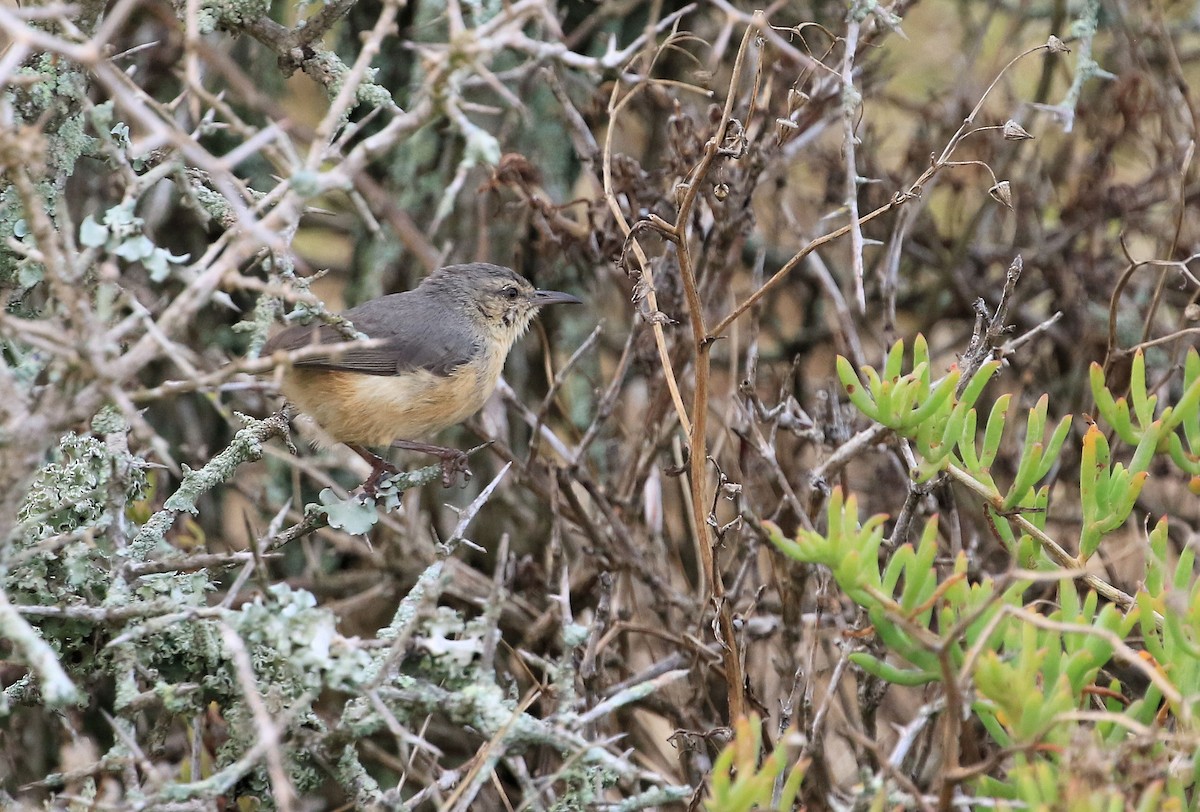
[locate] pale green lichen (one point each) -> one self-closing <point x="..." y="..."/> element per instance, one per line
<point x="71" y="142"/>
<point x="50" y="94"/>
<point x="295" y="646"/>
<point x="11" y="213"/>
<point x="70" y="493"/>
<point x="62" y="554"/>
<point x="574" y="634"/>
<point x="584" y="783"/>
<point x="373" y="95"/>
<point x="296" y="654"/>
<point x="230" y="14"/>
<point x="121" y="233"/>
<point x="452" y="645"/>
<point x="180" y="589"/>
<point x="351" y="773"/>
<point x="368" y="93"/>
<point x="303" y="772"/>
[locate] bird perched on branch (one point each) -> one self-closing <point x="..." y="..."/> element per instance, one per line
<point x="434" y="356"/>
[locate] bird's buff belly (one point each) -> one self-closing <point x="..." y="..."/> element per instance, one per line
<point x="376" y="410"/>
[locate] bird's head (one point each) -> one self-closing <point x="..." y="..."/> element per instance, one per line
<point x="497" y="298"/>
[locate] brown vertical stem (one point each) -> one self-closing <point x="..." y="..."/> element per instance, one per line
<point x="697" y="440"/>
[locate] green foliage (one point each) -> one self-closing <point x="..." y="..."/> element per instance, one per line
<point x="1098" y="785"/>
<point x="744" y="778"/>
<point x="902" y="598"/>
<point x="1175" y="430"/>
<point x="1031" y="672"/>
<point x="914" y="406"/>
<point x="945" y="433"/>
<point x="1107" y="490"/>
<point x="1170" y="625"/>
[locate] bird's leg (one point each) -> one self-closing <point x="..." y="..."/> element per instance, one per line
<point x="379" y="468"/>
<point x="454" y="461"/>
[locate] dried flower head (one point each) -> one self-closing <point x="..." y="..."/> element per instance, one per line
<point x="1013" y="131"/>
<point x="1002" y="193"/>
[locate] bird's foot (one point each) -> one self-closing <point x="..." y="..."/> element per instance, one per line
<point x="452" y="465"/>
<point x="380" y="471"/>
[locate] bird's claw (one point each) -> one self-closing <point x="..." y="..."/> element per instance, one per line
<point x="383" y="470"/>
<point x="453" y="465"/>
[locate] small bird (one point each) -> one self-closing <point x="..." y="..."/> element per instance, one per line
<point x="437" y="355"/>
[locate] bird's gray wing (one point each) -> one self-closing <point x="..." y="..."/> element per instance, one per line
<point x="415" y="334"/>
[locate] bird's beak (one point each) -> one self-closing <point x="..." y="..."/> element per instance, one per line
<point x="542" y="298"/>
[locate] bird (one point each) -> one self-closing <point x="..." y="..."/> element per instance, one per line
<point x="435" y="356"/>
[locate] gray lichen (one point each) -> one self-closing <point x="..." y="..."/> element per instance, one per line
<point x="62" y="551"/>
<point x="230" y="14"/>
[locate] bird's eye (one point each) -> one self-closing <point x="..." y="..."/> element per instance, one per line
<point x="510" y="292"/>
